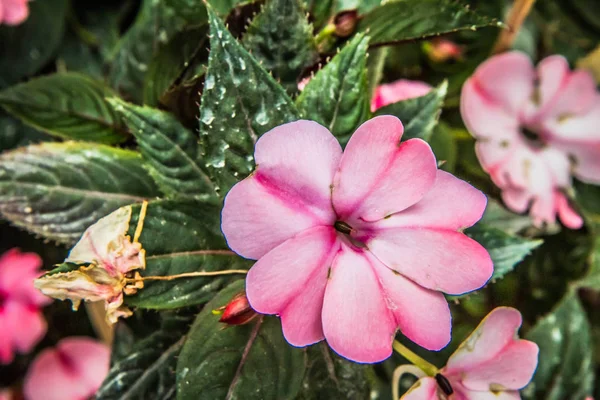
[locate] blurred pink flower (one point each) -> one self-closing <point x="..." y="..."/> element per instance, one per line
<point x="22" y="324"/>
<point x="74" y="370"/>
<point x="535" y="129"/>
<point x="402" y="89"/>
<point x="13" y="12"/>
<point x="352" y="247"/>
<point x="6" y="394"/>
<point x="492" y="363"/>
<point x="441" y="50"/>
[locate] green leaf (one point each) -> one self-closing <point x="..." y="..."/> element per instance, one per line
<point x="403" y="20"/>
<point x="499" y="217"/>
<point x="194" y="11"/>
<point x="240" y="102"/>
<point x="319" y="10"/>
<point x="146" y="370"/>
<point x="182" y="237"/>
<point x="69" y="105"/>
<point x="154" y="24"/>
<point x="565" y="369"/>
<point x="281" y="39"/>
<point x="13" y="133"/>
<point x="338" y="96"/>
<point x="171" y="150"/>
<point x="248" y="362"/>
<point x="329" y="376"/>
<point x="505" y="250"/>
<point x="57" y="190"/>
<point x="443" y="144"/>
<point x="419" y="115"/>
<point x="26" y="48"/>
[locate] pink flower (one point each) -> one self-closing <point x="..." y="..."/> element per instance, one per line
<point x="74" y="370"/>
<point x="351" y="247"/>
<point x="492" y="363"/>
<point x="441" y="50"/>
<point x="535" y="129"/>
<point x="6" y="394"/>
<point x="402" y="89"/>
<point x="22" y="324"/>
<point x="13" y="12"/>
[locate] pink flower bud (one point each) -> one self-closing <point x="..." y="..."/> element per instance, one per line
<point x="238" y="311"/>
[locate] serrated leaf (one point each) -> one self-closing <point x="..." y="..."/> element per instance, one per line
<point x="57" y="190"/>
<point x="419" y="115"/>
<point x="26" y="48"/>
<point x="69" y="105"/>
<point x="181" y="237"/>
<point x="338" y="96"/>
<point x="499" y="217"/>
<point x="565" y="369"/>
<point x="319" y="10"/>
<point x="194" y="11"/>
<point x="171" y="150"/>
<point x="281" y="39"/>
<point x="403" y="20"/>
<point x="249" y="362"/>
<point x="240" y="102"/>
<point x="329" y="376"/>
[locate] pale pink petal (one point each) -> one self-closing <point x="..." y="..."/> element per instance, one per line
<point x="553" y="72"/>
<point x="516" y="199"/>
<point x="575" y="96"/>
<point x="451" y="203"/>
<point x="293" y="276"/>
<point x="567" y="215"/>
<point x="543" y="210"/>
<point x="422" y="315"/>
<point x="356" y="321"/>
<point x="575" y="128"/>
<point x="585" y="158"/>
<point x="423" y="389"/>
<point x="559" y="166"/>
<point x="436" y="259"/>
<point x="494" y="152"/>
<point x="378" y="175"/>
<point x="72" y="371"/>
<point x="15" y="11"/>
<point x="462" y="393"/>
<point x="402" y="89"/>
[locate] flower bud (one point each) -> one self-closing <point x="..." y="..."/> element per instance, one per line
<point x="238" y="311"/>
<point x="441" y="50"/>
<point x="345" y="23"/>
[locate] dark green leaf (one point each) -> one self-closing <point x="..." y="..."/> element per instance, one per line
<point x="181" y="237"/>
<point x="247" y="362"/>
<point x="240" y="102"/>
<point x="13" y="133"/>
<point x="26" y="48"/>
<point x="444" y="147"/>
<point x="403" y="20"/>
<point x="281" y="39"/>
<point x="171" y="150"/>
<point x="56" y="190"/>
<point x="499" y="217"/>
<point x="319" y="10"/>
<point x="68" y="105"/>
<point x="589" y="10"/>
<point x="329" y="376"/>
<point x="419" y="115"/>
<point x="194" y="11"/>
<point x="565" y="369"/>
<point x="338" y="96"/>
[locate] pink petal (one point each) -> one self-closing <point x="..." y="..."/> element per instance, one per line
<point x="516" y="199"/>
<point x="6" y="394"/>
<point x="586" y="162"/>
<point x="15" y="11"/>
<point x="553" y="72"/>
<point x="290" y="281"/>
<point x="575" y="96"/>
<point x="17" y="272"/>
<point x="72" y="371"/>
<point x="558" y="165"/>
<point x="402" y="89"/>
<point x="567" y="215"/>
<point x="451" y="203"/>
<point x="378" y="176"/>
<point x="575" y="128"/>
<point x="462" y="393"/>
<point x="423" y="389"/>
<point x="422" y="315"/>
<point x="356" y="321"/>
<point x="494" y="152"/>
<point x="436" y="259"/>
<point x="22" y="328"/>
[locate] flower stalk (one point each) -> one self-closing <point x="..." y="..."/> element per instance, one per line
<point x="423" y="365"/>
<point x="516" y="16"/>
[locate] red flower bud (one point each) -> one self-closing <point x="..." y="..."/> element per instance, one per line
<point x="238" y="311"/>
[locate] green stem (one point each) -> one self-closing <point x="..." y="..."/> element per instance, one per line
<point x="405" y="352"/>
<point x="324" y="35"/>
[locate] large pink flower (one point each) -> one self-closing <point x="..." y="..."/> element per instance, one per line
<point x="492" y="363"/>
<point x="402" y="89"/>
<point x="13" y="12"/>
<point x="534" y="130"/>
<point x="74" y="370"/>
<point x="352" y="247"/>
<point x="22" y="324"/>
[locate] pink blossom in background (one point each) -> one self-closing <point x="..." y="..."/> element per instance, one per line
<point x="13" y="12"/>
<point x="492" y="363"/>
<point x="442" y="50"/>
<point x="73" y="370"/>
<point x="21" y="321"/>
<point x="353" y="246"/>
<point x="535" y="129"/>
<point x="6" y="394"/>
<point x="402" y="89"/>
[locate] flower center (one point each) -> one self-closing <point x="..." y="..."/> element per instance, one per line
<point x="533" y="138"/>
<point x="342" y="227"/>
<point x="3" y="298"/>
<point x="444" y="384"/>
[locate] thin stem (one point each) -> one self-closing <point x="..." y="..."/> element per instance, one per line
<point x="405" y="352"/>
<point x="187" y="275"/>
<point x="516" y="16"/>
<point x="401" y="370"/>
<point x="140" y="224"/>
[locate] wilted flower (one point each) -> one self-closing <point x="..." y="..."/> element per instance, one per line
<point x="350" y="247"/>
<point x="74" y="370"/>
<point x="13" y="12"/>
<point x="534" y="130"/>
<point x="22" y="324"/>
<point x="113" y="260"/>
<point x="402" y="89"/>
<point x="492" y="363"/>
<point x="238" y="311"/>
